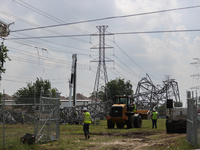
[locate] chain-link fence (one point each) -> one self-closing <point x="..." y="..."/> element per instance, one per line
<point x="28" y="113"/>
<point x="193" y="119"/>
<point x="47" y="119"/>
<point x="16" y="118"/>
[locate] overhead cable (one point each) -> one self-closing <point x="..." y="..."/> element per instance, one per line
<point x="108" y="18"/>
<point x="33" y="24"/>
<point x="45" y="14"/>
<point x="119" y="33"/>
<point x="132" y="60"/>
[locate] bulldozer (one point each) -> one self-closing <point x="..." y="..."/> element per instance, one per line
<point x="121" y="113"/>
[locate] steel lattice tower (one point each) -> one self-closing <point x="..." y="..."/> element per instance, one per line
<point x="101" y="75"/>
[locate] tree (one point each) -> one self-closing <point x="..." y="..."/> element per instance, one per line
<point x="119" y="87"/>
<point x="26" y="95"/>
<point x="115" y="87"/>
<point x="3" y="57"/>
<point x="53" y="92"/>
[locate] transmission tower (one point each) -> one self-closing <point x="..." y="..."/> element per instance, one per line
<point x="101" y="75"/>
<point x="197" y="75"/>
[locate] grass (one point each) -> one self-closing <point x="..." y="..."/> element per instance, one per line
<point x="71" y="137"/>
<point x="182" y="145"/>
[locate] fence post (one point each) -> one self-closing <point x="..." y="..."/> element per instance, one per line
<point x="34" y="114"/>
<point x="195" y="119"/>
<point x="3" y="116"/>
<point x="57" y="115"/>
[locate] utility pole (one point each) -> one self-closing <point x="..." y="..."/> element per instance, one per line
<point x="101" y="75"/>
<point x="72" y="82"/>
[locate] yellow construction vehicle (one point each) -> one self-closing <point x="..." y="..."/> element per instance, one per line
<point x="121" y="113"/>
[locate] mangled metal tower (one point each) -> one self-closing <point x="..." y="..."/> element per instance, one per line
<point x="147" y="95"/>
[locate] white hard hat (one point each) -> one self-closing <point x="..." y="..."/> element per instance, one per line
<point x="154" y="109"/>
<point x="84" y="108"/>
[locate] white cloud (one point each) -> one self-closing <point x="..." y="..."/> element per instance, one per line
<point x="157" y="54"/>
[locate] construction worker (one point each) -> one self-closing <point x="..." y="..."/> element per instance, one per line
<point x="86" y="122"/>
<point x="154" y="118"/>
<point x="133" y="107"/>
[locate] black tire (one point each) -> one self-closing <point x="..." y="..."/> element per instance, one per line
<point x="120" y="125"/>
<point x="130" y="123"/>
<point x="170" y="130"/>
<point x="110" y="124"/>
<point x="137" y="121"/>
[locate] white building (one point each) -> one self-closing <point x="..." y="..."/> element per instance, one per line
<point x="64" y="102"/>
<point x="80" y="100"/>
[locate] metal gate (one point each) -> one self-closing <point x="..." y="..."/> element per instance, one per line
<point x="46" y="127"/>
<point x="193" y="119"/>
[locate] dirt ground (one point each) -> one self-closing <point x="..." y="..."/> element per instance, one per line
<point x="137" y="141"/>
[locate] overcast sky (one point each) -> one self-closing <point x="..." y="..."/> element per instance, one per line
<point x="134" y="55"/>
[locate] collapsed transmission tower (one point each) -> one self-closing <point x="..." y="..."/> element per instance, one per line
<point x="147" y="95"/>
<point x="101" y="75"/>
<point x="146" y="92"/>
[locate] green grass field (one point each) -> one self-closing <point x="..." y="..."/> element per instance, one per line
<point x="71" y="137"/>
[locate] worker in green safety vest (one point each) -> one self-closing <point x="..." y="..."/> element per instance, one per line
<point x="86" y="122"/>
<point x="134" y="107"/>
<point x="154" y="118"/>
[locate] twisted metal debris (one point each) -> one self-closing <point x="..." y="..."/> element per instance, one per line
<point x="147" y="95"/>
<point x="71" y="115"/>
<point x="74" y="114"/>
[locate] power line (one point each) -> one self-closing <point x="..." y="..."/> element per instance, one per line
<point x="59" y="64"/>
<point x="57" y="43"/>
<point x="36" y="62"/>
<point x="28" y="78"/>
<point x="13" y="81"/>
<point x="108" y="18"/>
<point x="33" y="24"/>
<point x="48" y="58"/>
<point x="135" y="74"/>
<point x="45" y="14"/>
<point x="29" y="43"/>
<point x="132" y="59"/>
<point x="120" y="73"/>
<point x="72" y="8"/>
<point x="44" y="58"/>
<point x="118" y="33"/>
<point x="59" y="9"/>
